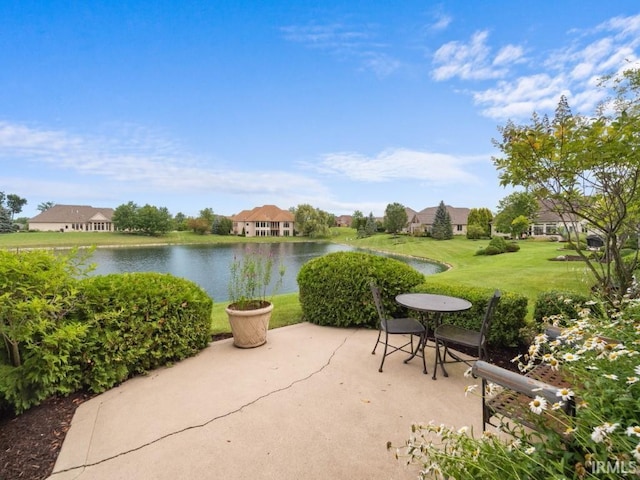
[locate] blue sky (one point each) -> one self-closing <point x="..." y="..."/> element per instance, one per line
<point x="344" y="105"/>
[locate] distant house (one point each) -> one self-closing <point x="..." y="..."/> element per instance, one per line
<point x="265" y="221"/>
<point x="550" y="223"/>
<point x="422" y="221"/>
<point x="73" y="218"/>
<point x="344" y="221"/>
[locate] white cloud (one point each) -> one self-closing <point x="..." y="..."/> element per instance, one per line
<point x="399" y="164"/>
<point x="335" y="37"/>
<point x="141" y="161"/>
<point x="572" y="70"/>
<point x="441" y="21"/>
<point x="509" y="54"/>
<point x="469" y="61"/>
<point x="347" y="43"/>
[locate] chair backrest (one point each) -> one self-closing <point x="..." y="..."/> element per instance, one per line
<point x="377" y="299"/>
<point x="486" y="321"/>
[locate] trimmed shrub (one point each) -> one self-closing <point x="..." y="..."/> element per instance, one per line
<point x="335" y="289"/>
<point x="492" y="250"/>
<point x="509" y="317"/>
<point x="567" y="304"/>
<point x="111" y="328"/>
<point x="512" y="247"/>
<point x="499" y="244"/>
<point x="475" y="232"/>
<point x="38" y="290"/>
<point x="140" y="321"/>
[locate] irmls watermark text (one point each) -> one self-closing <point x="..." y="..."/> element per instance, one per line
<point x="619" y="467"/>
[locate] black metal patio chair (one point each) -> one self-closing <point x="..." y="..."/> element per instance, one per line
<point x="447" y="336"/>
<point x="398" y="326"/>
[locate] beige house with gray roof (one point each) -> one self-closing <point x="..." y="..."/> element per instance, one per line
<point x="422" y="221"/>
<point x="73" y="218"/>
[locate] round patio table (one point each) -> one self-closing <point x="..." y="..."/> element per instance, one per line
<point x="430" y="303"/>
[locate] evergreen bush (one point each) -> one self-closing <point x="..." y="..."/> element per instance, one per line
<point x="498" y="243"/>
<point x="512" y="247"/>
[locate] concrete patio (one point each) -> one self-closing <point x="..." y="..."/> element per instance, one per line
<point x="310" y="404"/>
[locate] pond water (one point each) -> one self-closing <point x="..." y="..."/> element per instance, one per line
<point x="208" y="265"/>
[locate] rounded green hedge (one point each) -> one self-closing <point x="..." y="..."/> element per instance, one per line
<point x="68" y="334"/>
<point x="335" y="289"/>
<point x="140" y="321"/>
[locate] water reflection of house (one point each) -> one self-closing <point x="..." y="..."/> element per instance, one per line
<point x="422" y="221"/>
<point x="265" y="221"/>
<point x="73" y="218"/>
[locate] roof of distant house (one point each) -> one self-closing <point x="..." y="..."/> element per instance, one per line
<point x="458" y="215"/>
<point x="266" y="213"/>
<point x="72" y="214"/>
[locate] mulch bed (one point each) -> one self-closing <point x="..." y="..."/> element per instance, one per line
<point x="30" y="443"/>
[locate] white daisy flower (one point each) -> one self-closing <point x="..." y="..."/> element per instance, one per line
<point x="538" y="404"/>
<point x="600" y="432"/>
<point x="570" y="357"/>
<point x="636" y="452"/>
<point x="634" y="430"/>
<point x="469" y="389"/>
<point x="565" y="393"/>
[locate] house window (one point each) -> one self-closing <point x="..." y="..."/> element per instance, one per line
<point x="459" y="228"/>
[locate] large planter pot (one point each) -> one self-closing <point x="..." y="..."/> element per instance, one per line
<point x="249" y="327"/>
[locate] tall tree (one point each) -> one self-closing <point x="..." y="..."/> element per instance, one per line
<point x="124" y="217"/>
<point x="586" y="168"/>
<point x="180" y="221"/>
<point x="395" y="217"/>
<point x="370" y="227"/>
<point x="152" y="220"/>
<point x="442" y="228"/>
<point x="208" y="216"/>
<point x="357" y="220"/>
<point x="44" y="206"/>
<point x="482" y="217"/>
<point x="6" y="225"/>
<point x="15" y="204"/>
<point x="517" y="204"/>
<point x="222" y="225"/>
<point x="311" y="222"/>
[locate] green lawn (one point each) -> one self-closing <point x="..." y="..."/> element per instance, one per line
<point x="528" y="271"/>
<point x="88" y="239"/>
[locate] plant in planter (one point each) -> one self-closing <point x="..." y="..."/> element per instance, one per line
<point x="249" y="311"/>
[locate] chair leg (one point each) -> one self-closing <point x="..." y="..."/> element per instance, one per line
<point x="377" y="342"/>
<point x="422" y="345"/>
<point x="440" y="360"/>
<point x="384" y="354"/>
